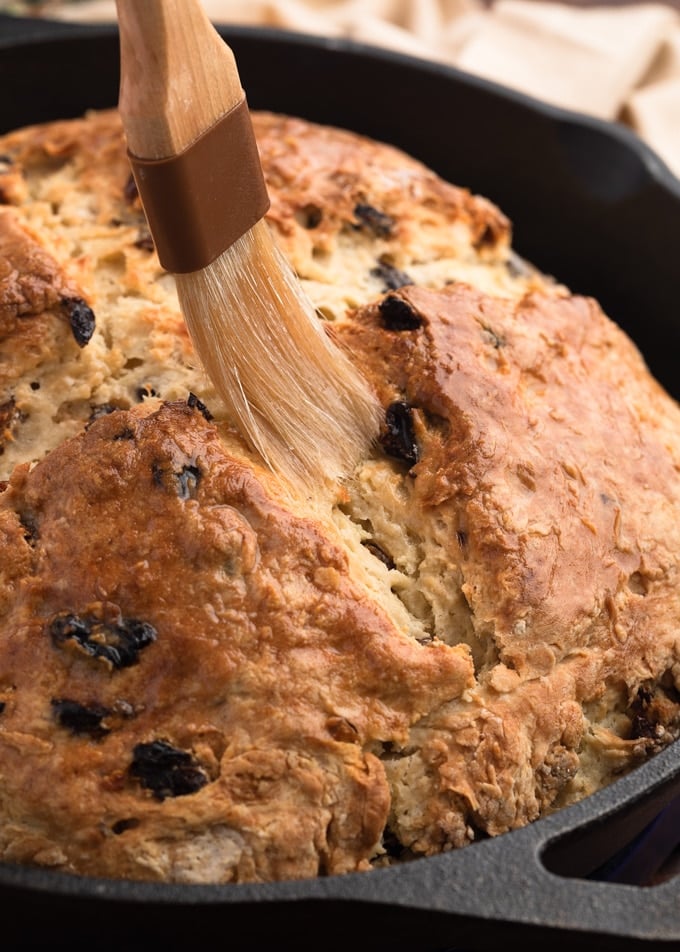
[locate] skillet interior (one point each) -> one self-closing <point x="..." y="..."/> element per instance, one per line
<point x="590" y="204"/>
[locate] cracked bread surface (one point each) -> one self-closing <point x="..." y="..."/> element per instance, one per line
<point x="204" y="678"/>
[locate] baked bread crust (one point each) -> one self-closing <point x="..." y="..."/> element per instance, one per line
<point x="269" y="677"/>
<point x="541" y="516"/>
<point x="203" y="679"/>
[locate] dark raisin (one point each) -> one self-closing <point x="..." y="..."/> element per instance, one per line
<point x="379" y="553"/>
<point x="130" y="192"/>
<point x="166" y="770"/>
<point x="196" y="404"/>
<point x="144" y="241"/>
<point x="117" y="643"/>
<point x="652" y="710"/>
<point x="398" y="438"/>
<point x="146" y="391"/>
<point x="3" y="705"/>
<point x="392" y="277"/>
<point x="127" y="433"/>
<point x="644" y="717"/>
<point x="81" y="718"/>
<point x="81" y="318"/>
<point x="397" y="314"/>
<point x="35" y="385"/>
<point x="643" y="727"/>
<point x="377" y="222"/>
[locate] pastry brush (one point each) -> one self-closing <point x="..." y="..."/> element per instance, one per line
<point x="294" y="394"/>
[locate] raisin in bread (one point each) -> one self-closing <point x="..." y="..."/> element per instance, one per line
<point x="206" y="678"/>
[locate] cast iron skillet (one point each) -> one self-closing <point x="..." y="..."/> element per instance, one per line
<point x="590" y="204"/>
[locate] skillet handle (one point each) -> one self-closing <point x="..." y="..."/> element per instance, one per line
<point x="547" y="880"/>
<point x="531" y="885"/>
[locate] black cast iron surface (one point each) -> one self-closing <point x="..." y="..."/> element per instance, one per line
<point x="592" y="205"/>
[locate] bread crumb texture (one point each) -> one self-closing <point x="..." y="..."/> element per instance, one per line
<point x="203" y="679"/>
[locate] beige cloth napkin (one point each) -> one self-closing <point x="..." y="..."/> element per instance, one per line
<point x="614" y="61"/>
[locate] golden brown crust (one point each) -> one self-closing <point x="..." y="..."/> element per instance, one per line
<point x="92" y="146"/>
<point x="538" y="454"/>
<point x="323" y="182"/>
<point x="72" y="198"/>
<point x="271" y="671"/>
<point x="529" y="420"/>
<point x="203" y="679"/>
<point x="33" y="291"/>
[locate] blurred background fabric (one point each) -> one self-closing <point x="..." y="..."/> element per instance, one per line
<point x="614" y="60"/>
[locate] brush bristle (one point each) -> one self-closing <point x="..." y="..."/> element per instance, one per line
<point x="297" y="398"/>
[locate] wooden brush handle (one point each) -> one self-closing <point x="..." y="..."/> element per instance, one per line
<point x="178" y="76"/>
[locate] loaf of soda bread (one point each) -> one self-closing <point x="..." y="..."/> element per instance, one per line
<point x="207" y="678"/>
